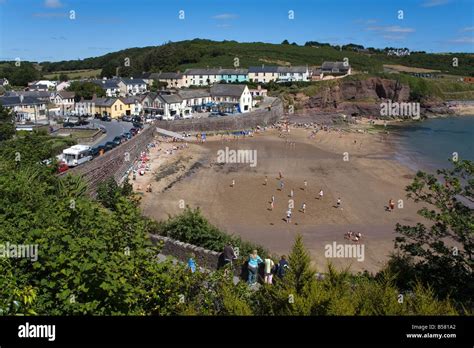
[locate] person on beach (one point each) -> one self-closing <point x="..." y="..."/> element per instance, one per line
<point x="253" y="262"/>
<point x="303" y="208"/>
<point x="271" y="205"/>
<point x="280" y="175"/>
<point x="269" y="265"/>
<point x="192" y="263"/>
<point x="305" y="185"/>
<point x="339" y="203"/>
<point x="148" y="188"/>
<point x="273" y="199"/>
<point x="266" y="180"/>
<point x="288" y="216"/>
<point x="291" y="193"/>
<point x="321" y="194"/>
<point x="281" y="185"/>
<point x="233" y="183"/>
<point x="391" y="204"/>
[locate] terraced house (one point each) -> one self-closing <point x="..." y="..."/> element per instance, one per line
<point x="113" y="107"/>
<point x="131" y="86"/>
<point x="207" y="77"/>
<point x="26" y="109"/>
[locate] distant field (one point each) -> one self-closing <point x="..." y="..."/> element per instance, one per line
<point x="74" y="74"/>
<point x="402" y="68"/>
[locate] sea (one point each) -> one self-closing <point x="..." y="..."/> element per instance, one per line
<point x="429" y="144"/>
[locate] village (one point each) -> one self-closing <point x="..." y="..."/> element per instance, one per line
<point x="197" y="92"/>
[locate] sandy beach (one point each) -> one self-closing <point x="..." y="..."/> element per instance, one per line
<point x="355" y="166"/>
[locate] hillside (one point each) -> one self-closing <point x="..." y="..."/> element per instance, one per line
<point x="200" y="53"/>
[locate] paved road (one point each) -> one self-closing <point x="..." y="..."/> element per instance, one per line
<point x="114" y="129"/>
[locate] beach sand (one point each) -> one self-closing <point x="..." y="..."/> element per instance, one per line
<point x="365" y="183"/>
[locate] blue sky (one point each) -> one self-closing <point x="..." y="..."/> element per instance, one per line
<point x="42" y="29"/>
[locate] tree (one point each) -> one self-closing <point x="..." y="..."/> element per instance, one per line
<point x="300" y="274"/>
<point x="441" y="254"/>
<point x="7" y="126"/>
<point x="285" y="42"/>
<point x="63" y="77"/>
<point x="85" y="90"/>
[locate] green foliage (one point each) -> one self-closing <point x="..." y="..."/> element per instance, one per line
<point x="440" y="255"/>
<point x="19" y="75"/>
<point x="109" y="193"/>
<point x="191" y="227"/>
<point x="85" y="90"/>
<point x="174" y="56"/>
<point x="7" y="126"/>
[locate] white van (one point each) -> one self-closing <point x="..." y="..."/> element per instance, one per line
<point x="76" y="155"/>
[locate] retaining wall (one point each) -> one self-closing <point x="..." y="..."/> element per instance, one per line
<point x="263" y="117"/>
<point x="115" y="162"/>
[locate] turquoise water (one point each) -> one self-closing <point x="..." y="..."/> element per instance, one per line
<point x="428" y="144"/>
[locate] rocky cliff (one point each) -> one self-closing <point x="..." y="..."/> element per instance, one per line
<point x="363" y="98"/>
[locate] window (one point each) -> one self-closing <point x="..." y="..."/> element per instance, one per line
<point x="115" y="107"/>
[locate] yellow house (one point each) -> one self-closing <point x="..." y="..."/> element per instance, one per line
<point x="113" y="107"/>
<point x="263" y="74"/>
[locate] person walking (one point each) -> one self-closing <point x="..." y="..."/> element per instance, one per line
<point x="282" y="185"/>
<point x="288" y="216"/>
<point x="269" y="265"/>
<point x="391" y="204"/>
<point x="321" y="194"/>
<point x="233" y="183"/>
<point x="291" y="193"/>
<point x="253" y="263"/>
<point x="303" y="208"/>
<point x="339" y="203"/>
<point x="305" y="185"/>
<point x="266" y="180"/>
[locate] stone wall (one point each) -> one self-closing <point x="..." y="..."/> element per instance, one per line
<point x="115" y="162"/>
<point x="263" y="117"/>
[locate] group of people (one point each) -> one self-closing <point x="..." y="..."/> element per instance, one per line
<point x="253" y="265"/>
<point x="353" y="236"/>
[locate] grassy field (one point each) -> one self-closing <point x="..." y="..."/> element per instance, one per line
<point x="75" y="74"/>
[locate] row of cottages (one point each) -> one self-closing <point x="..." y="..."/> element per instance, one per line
<point x="266" y="74"/>
<point x="122" y="87"/>
<point x="221" y="97"/>
<point x="201" y="77"/>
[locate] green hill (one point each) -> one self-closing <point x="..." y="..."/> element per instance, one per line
<point x="175" y="56"/>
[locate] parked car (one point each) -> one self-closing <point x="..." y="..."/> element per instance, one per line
<point x="127" y="135"/>
<point x="109" y="145"/>
<point x="106" y="118"/>
<point x="133" y="131"/>
<point x="127" y="118"/>
<point x="137" y="125"/>
<point x="103" y="129"/>
<point x="117" y="140"/>
<point x="62" y="167"/>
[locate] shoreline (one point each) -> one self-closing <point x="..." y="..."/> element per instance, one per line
<point x="365" y="182"/>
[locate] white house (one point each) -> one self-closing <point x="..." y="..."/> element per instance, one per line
<point x="62" y="85"/>
<point x="26" y="109"/>
<point x="132" y="86"/>
<point x="64" y="100"/>
<point x="232" y="97"/>
<point x="42" y="85"/>
<point x="293" y="73"/>
<point x="195" y="99"/>
<point x="110" y="86"/>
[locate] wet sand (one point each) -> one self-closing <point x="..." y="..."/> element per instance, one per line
<point x="365" y="183"/>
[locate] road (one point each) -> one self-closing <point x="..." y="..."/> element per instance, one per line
<point x="114" y="129"/>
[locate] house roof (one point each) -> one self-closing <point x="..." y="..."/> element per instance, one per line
<point x="107" y="102"/>
<point x="107" y="84"/>
<point x="131" y="100"/>
<point x="193" y="93"/>
<point x="227" y="90"/>
<point x="35" y="94"/>
<point x="202" y="72"/>
<point x="170" y="98"/>
<point x="169" y="75"/>
<point x="66" y="94"/>
<point x="16" y="100"/>
<point x="264" y="69"/>
<point x="233" y="71"/>
<point x="334" y="65"/>
<point x="132" y="81"/>
<point x="292" y="69"/>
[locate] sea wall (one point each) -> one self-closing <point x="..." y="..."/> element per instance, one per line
<point x="262" y="117"/>
<point x="115" y="162"/>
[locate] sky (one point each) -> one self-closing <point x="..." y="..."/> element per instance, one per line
<point x="53" y="30"/>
